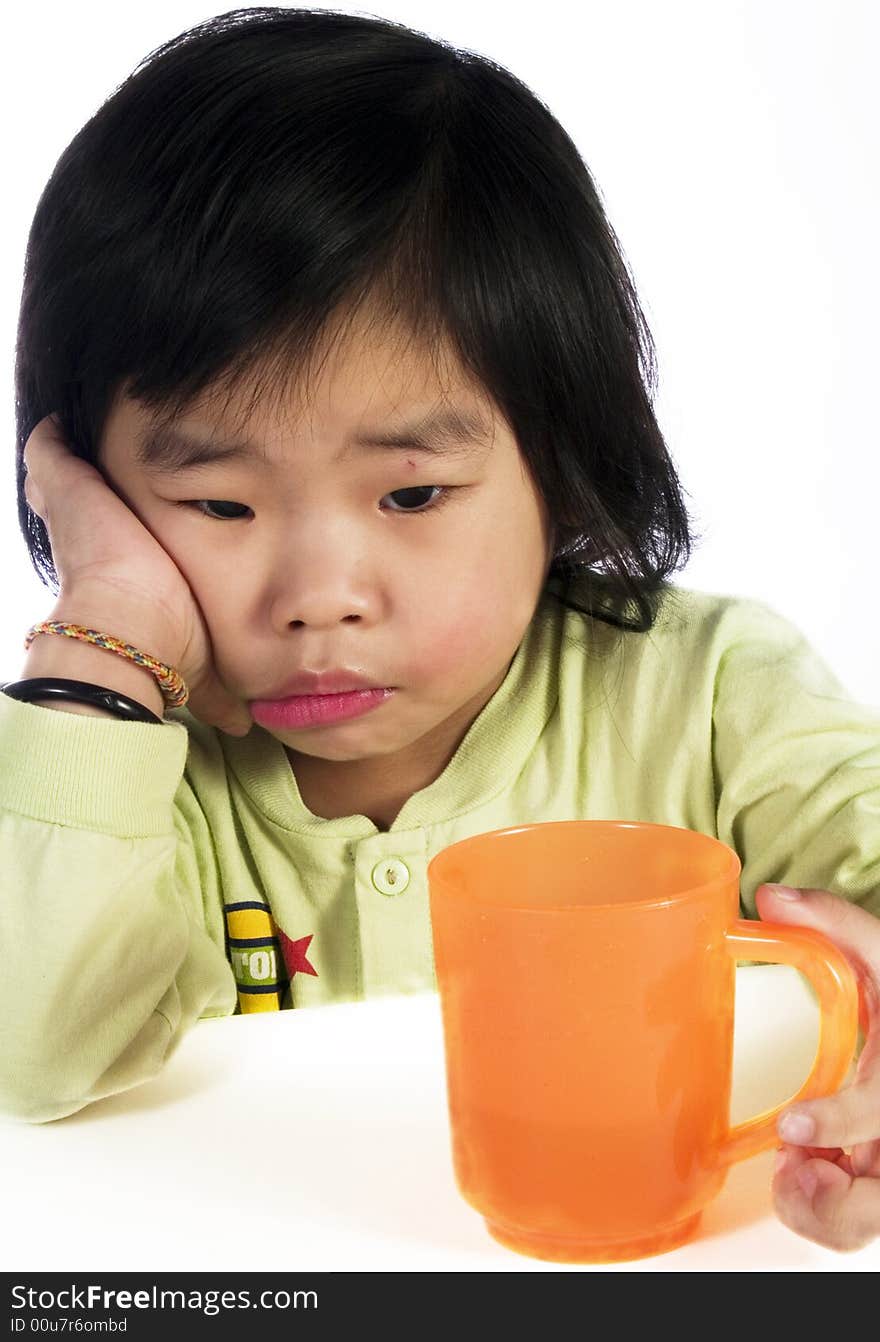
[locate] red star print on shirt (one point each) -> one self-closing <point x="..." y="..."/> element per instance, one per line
<point x="294" y="953"/>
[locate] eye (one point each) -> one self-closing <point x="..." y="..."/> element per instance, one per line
<point x="410" y="495"/>
<point x="434" y="504"/>
<point x="213" y="503"/>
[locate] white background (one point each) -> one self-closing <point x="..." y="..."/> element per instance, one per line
<point x="735" y="148"/>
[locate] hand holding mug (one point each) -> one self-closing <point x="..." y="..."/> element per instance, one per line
<point x="819" y="1191"/>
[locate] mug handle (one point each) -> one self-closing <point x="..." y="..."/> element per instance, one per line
<point x="831" y="975"/>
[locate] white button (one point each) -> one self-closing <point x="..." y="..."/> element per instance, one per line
<point x="390" y="876"/>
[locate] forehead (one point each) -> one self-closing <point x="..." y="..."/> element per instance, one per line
<point x="377" y="394"/>
<point x="450" y="432"/>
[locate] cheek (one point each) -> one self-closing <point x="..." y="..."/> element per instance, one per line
<point x="462" y="637"/>
<point x="467" y="621"/>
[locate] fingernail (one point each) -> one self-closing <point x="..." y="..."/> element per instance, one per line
<point x="785" y="891"/>
<point x="795" y="1127"/>
<point x="807" y="1180"/>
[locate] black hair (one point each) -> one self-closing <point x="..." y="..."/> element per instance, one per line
<point x="271" y="168"/>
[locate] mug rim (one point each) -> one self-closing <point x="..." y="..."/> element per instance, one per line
<point x="733" y="866"/>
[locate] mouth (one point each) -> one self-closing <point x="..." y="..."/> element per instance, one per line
<point x="340" y="680"/>
<point x="299" y="711"/>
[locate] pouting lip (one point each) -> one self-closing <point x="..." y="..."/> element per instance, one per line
<point x="337" y="681"/>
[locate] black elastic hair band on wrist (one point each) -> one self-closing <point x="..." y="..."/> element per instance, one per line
<point x="52" y="687"/>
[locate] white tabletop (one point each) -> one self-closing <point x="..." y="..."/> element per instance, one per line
<point x="318" y="1139"/>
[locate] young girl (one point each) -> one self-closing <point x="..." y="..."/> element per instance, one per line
<point x="335" y="446"/>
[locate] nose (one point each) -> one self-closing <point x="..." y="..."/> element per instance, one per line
<point x="320" y="586"/>
<point x="319" y="617"/>
<point x="322" y="607"/>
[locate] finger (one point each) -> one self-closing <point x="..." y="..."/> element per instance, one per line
<point x="852" y="928"/>
<point x="34" y="497"/>
<point x="44" y="438"/>
<point x="835" y="1210"/>
<point x="846" y="1118"/>
<point x="46" y="432"/>
<point x="46" y="457"/>
<point x="843" y="921"/>
<point x="866" y="1159"/>
<point x="790" y="1158"/>
<point x="851" y="1115"/>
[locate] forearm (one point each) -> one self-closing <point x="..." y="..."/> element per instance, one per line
<point x="102" y="915"/>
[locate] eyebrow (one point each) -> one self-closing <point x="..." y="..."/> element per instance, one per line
<point x="450" y="432"/>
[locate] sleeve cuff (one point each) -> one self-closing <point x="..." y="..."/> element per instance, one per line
<point x="90" y="772"/>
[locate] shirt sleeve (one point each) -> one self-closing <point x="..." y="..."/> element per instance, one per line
<point x="111" y="934"/>
<point x="796" y="763"/>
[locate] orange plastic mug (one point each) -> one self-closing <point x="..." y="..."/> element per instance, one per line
<point x="586" y="971"/>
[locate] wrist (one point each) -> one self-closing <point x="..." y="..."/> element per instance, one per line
<point x="62" y="656"/>
<point x="56" y="657"/>
<point x="138" y="627"/>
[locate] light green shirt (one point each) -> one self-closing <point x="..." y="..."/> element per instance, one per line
<point x="121" y="842"/>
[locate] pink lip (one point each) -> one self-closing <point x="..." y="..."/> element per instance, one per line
<point x="313" y="710"/>
<point x="336" y="681"/>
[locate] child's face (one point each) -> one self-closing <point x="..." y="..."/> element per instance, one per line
<point x="319" y="568"/>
